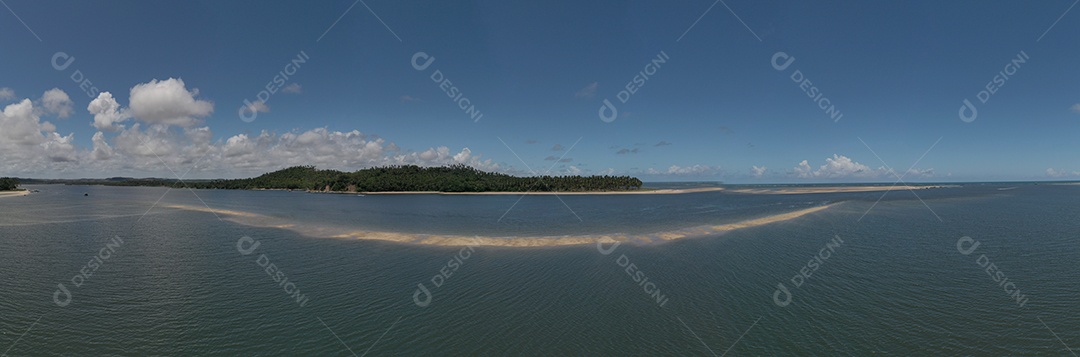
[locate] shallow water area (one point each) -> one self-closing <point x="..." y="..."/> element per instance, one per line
<point x="184" y="282"/>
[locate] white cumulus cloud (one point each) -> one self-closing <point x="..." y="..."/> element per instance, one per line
<point x="168" y="102"/>
<point x="758" y="171"/>
<point x="257" y="106"/>
<point x="838" y="166"/>
<point x="28" y="144"/>
<point x="696" y="170"/>
<point x="164" y="139"/>
<point x="843" y="167"/>
<point x="107" y="112"/>
<point x="56" y="101"/>
<point x="102" y="151"/>
<point x="157" y="148"/>
<point x="291" y="88"/>
<point x="463" y="156"/>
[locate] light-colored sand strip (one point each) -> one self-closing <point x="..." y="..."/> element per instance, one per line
<point x="216" y="210"/>
<point x="636" y="192"/>
<point x="253" y="219"/>
<point x="724" y="228"/>
<point x="13" y="193"/>
<point x="839" y="189"/>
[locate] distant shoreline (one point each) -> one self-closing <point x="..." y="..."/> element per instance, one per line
<point x="670" y="191"/>
<point x="628" y="192"/>
<point x="784" y="190"/>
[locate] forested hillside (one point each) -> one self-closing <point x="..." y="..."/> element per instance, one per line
<point x="457" y="178"/>
<point x="8" y="183"/>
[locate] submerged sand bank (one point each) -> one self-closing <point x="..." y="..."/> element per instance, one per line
<point x="254" y="219"/>
<point x="838" y="189"/>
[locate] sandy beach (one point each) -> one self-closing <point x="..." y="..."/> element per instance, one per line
<point x="253" y="219"/>
<point x="13" y="193"/>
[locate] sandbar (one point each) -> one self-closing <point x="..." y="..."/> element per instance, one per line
<point x="254" y="219"/>
<point x="838" y="189"/>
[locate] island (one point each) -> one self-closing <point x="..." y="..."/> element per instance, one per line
<point x="408" y="178"/>
<point x="9" y="187"/>
<point x="9" y="184"/>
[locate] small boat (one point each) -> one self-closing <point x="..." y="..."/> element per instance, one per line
<point x="86" y="194"/>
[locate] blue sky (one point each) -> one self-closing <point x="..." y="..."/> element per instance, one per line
<point x="716" y="109"/>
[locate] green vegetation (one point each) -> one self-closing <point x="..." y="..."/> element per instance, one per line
<point x="457" y="178"/>
<point x="8" y="183"/>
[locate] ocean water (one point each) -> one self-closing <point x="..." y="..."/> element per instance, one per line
<point x="120" y="273"/>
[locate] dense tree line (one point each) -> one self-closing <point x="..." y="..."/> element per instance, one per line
<point x="456" y="178"/>
<point x="8" y="183"/>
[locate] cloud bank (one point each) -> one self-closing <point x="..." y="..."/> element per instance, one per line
<point x="160" y="132"/>
<point x="843" y="167"/>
